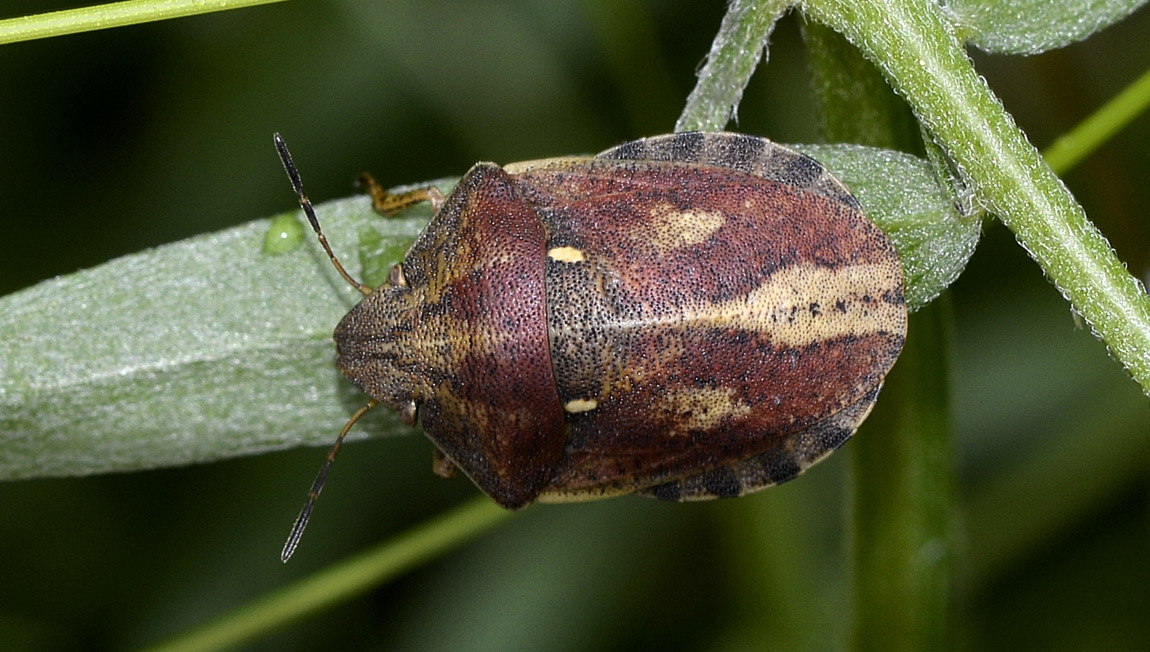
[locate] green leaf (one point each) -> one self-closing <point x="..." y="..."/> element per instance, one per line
<point x="1034" y="26"/>
<point x="203" y="349"/>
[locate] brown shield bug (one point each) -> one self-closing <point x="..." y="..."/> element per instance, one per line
<point x="687" y="317"/>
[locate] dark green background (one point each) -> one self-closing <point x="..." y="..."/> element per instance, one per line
<point x="120" y="140"/>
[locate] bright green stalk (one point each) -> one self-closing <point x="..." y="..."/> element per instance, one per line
<point x="1086" y="136"/>
<point x="115" y="14"/>
<point x="735" y="53"/>
<point x="344" y="580"/>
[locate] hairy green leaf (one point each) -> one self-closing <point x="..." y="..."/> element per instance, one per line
<point x="207" y="348"/>
<point x="1033" y="26"/>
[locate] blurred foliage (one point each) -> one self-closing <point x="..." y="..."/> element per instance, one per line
<point x="115" y="141"/>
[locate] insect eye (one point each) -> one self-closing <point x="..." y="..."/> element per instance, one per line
<point x="395" y="276"/>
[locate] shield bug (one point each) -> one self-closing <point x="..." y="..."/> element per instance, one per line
<point x="687" y="317"/>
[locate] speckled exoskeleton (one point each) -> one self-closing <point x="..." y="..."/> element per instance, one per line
<point x="688" y="316"/>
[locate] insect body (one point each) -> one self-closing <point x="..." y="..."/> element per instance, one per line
<point x="687" y="317"/>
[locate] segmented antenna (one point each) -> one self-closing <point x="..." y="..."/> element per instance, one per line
<point x="305" y="204"/>
<point x="297" y="528"/>
<point x="317" y="486"/>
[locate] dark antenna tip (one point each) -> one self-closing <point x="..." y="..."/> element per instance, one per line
<point x="297" y="531"/>
<point x="300" y="524"/>
<point x="309" y="210"/>
<point x="289" y="165"/>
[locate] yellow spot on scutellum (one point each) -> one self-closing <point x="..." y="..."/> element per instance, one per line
<point x="581" y="405"/>
<point x="565" y="254"/>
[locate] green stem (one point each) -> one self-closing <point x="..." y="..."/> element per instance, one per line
<point x="344" y="580"/>
<point x="115" y="14"/>
<point x="854" y="102"/>
<point x="1088" y="135"/>
<point x="926" y="63"/>
<point x="903" y="499"/>
<point x="735" y="53"/>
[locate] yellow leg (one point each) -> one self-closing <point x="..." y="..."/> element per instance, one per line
<point x="386" y="203"/>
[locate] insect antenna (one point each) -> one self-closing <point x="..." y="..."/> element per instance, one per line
<point x="305" y="204"/>
<point x="297" y="528"/>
